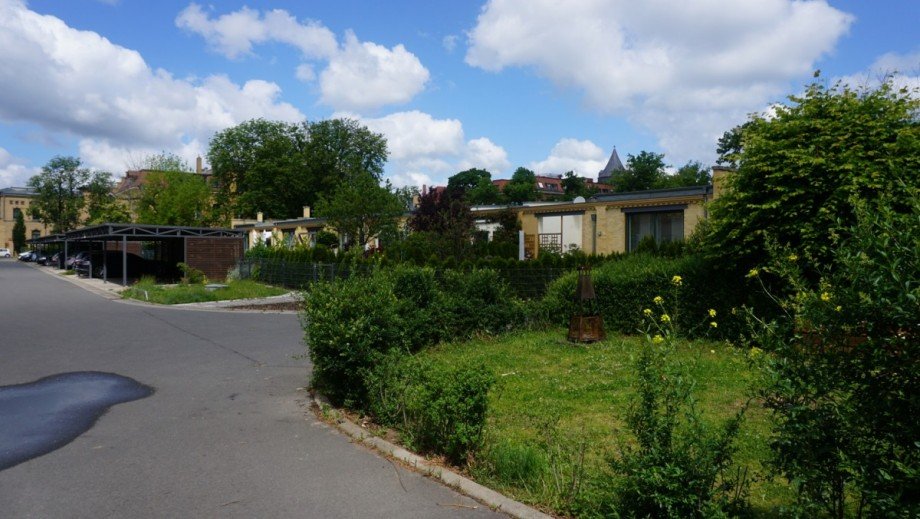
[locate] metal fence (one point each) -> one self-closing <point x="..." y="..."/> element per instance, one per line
<point x="526" y="283"/>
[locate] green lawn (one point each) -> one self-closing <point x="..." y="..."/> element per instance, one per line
<point x="552" y="397"/>
<point x="147" y="290"/>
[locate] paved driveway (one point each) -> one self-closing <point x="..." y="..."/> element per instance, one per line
<point x="226" y="434"/>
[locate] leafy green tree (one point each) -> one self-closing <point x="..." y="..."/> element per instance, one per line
<point x="175" y="198"/>
<point x="643" y="171"/>
<point x="361" y="209"/>
<point x="101" y="205"/>
<point x="19" y="233"/>
<point x="445" y="218"/>
<point x="522" y="187"/>
<point x="164" y="161"/>
<point x="574" y="186"/>
<point x="801" y="170"/>
<point x="729" y="146"/>
<point x="59" y="193"/>
<point x="476" y="184"/>
<point x="340" y="150"/>
<point x="408" y="195"/>
<point x="693" y="173"/>
<point x="262" y="165"/>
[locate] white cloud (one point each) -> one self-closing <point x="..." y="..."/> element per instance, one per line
<point x="13" y="171"/>
<point x="358" y="76"/>
<point x="449" y="42"/>
<point x="51" y="77"/>
<point x="367" y="76"/>
<point x="233" y="34"/>
<point x="484" y="154"/>
<point x="583" y="157"/>
<point x="905" y="69"/>
<point x="425" y="150"/>
<point x="701" y="65"/>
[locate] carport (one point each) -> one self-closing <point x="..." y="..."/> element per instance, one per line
<point x="211" y="250"/>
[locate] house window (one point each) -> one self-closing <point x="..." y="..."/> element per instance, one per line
<point x="36" y="234"/>
<point x="17" y="212"/>
<point x="664" y="226"/>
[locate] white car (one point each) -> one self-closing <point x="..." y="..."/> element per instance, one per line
<point x="5" y="253"/>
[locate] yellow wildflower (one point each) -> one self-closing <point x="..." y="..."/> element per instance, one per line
<point x="665" y="318"/>
<point x="753" y="273"/>
<point x="755" y="352"/>
<point x="713" y="324"/>
<point x="712" y="313"/>
<point x="825" y="297"/>
<point x="839" y="308"/>
<point x="657" y="339"/>
<point x="647" y="312"/>
<point x="677" y="280"/>
<point x="658" y="300"/>
<point x="793" y="258"/>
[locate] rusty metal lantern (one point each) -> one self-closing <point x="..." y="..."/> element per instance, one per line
<point x="586" y="325"/>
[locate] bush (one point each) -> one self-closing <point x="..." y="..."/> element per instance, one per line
<point x="843" y="377"/>
<point x="350" y="323"/>
<point x="438" y="409"/>
<point x="627" y="286"/>
<point x="191" y="275"/>
<point x="677" y="466"/>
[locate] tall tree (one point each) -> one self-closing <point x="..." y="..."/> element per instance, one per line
<point x="101" y="206"/>
<point x="476" y="185"/>
<point x="730" y="145"/>
<point x="361" y="209"/>
<point x="59" y="196"/>
<point x="164" y="161"/>
<point x="340" y="150"/>
<point x="802" y="170"/>
<point x="643" y="171"/>
<point x="262" y="165"/>
<point x="522" y="187"/>
<point x="446" y="218"/>
<point x="19" y="232"/>
<point x="175" y="198"/>
<point x="574" y="186"/>
<point x="693" y="173"/>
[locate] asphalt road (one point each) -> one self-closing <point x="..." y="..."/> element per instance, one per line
<point x="226" y="434"/>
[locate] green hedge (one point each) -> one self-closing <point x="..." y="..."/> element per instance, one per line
<point x="349" y="323"/>
<point x="438" y="409"/>
<point x="627" y="286"/>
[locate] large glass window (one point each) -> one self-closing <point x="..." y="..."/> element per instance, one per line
<point x="36" y="234"/>
<point x="663" y="226"/>
<point x="16" y="212"/>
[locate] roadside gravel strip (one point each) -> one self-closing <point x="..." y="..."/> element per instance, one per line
<point x="472" y="489"/>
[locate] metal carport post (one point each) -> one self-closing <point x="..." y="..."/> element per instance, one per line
<point x="124" y="261"/>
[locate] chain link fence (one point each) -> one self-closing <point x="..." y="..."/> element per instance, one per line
<point x="526" y="283"/>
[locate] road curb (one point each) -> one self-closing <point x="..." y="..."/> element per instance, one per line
<point x="460" y="483"/>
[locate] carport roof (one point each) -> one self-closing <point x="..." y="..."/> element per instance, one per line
<point x="137" y="232"/>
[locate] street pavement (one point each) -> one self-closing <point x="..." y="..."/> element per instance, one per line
<point x="227" y="432"/>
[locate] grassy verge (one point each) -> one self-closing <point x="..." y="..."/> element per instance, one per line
<point x="148" y="290"/>
<point x="557" y="415"/>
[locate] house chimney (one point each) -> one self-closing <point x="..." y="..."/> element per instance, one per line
<point x="259" y="217"/>
<point x="424" y="190"/>
<point x="198" y="165"/>
<point x="306" y="211"/>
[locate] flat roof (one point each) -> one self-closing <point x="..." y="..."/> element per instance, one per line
<point x="137" y="232"/>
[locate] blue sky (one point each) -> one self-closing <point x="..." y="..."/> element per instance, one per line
<point x="549" y="85"/>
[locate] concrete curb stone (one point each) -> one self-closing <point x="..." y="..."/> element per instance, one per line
<point x="472" y="489"/>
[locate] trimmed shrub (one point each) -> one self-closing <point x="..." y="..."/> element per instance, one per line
<point x="438" y="409"/>
<point x="627" y="286"/>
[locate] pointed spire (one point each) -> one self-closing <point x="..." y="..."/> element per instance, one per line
<point x="614" y="164"/>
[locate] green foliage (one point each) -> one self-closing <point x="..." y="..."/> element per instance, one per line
<point x="349" y="322"/>
<point x="802" y="169"/>
<point x="327" y="239"/>
<point x="522" y="187"/>
<point x="844" y="372"/>
<point x="148" y="290"/>
<point x="164" y="161"/>
<point x="59" y="196"/>
<point x="438" y="409"/>
<point x="361" y="209"/>
<point x="643" y="171"/>
<point x="514" y="463"/>
<point x="19" y="233"/>
<point x="627" y="286"/>
<point x="678" y="465"/>
<point x="101" y="205"/>
<point x="476" y="186"/>
<point x="693" y="173"/>
<point x="174" y="198"/>
<point x="446" y="216"/>
<point x="191" y="275"/>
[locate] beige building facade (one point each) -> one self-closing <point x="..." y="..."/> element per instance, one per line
<point x="14" y="200"/>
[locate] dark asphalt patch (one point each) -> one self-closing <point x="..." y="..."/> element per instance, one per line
<point x="39" y="417"/>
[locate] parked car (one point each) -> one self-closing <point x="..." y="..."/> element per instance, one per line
<point x="109" y="264"/>
<point x="29" y="255"/>
<point x="5" y="253"/>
